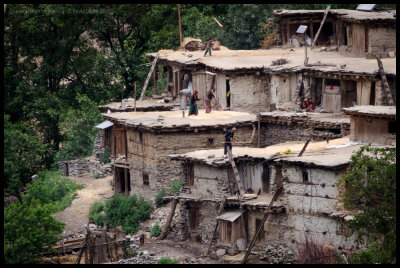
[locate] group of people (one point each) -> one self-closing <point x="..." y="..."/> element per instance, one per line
<point x="307" y="105"/>
<point x="193" y="110"/>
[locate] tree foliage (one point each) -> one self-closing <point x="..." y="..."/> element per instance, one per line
<point x="29" y="230"/>
<point x="370" y="183"/>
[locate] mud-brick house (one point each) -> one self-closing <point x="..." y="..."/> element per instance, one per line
<point x="142" y="141"/>
<point x="263" y="80"/>
<point x="309" y="204"/>
<point x="355" y="32"/>
<point x="376" y="124"/>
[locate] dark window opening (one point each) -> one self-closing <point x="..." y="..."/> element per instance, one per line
<point x="392" y="127"/>
<point x="122" y="178"/>
<point x="210" y="141"/>
<point x="190" y="175"/>
<point x="305" y="176"/>
<point x="332" y="130"/>
<point x="265" y="179"/>
<point x="372" y="95"/>
<point x="141" y="137"/>
<point x="194" y="218"/>
<point x="146" y="179"/>
<point x="262" y="232"/>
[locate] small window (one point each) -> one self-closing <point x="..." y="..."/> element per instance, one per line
<point x="190" y="175"/>
<point x="392" y="127"/>
<point x="146" y="179"/>
<point x="305" y="176"/>
<point x="210" y="141"/>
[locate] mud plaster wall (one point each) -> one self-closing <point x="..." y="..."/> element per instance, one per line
<point x="381" y="39"/>
<point x="150" y="155"/>
<point x="246" y="93"/>
<point x="304" y="205"/>
<point x="209" y="182"/>
<point x="282" y="88"/>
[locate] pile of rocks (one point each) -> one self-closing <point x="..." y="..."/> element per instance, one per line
<point x="277" y="254"/>
<point x="146" y="258"/>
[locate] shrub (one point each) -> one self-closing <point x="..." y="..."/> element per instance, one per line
<point x="96" y="175"/>
<point x="95" y="214"/>
<point x="166" y="260"/>
<point x="29" y="231"/>
<point x="127" y="211"/>
<point x="52" y="187"/>
<point x="104" y="157"/>
<point x="158" y="200"/>
<point x="176" y="186"/>
<point x="155" y="230"/>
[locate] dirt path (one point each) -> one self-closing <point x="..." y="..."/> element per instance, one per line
<point x="76" y="216"/>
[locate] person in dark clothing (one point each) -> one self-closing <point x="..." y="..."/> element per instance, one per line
<point x="208" y="99"/>
<point x="193" y="104"/>
<point x="228" y="142"/>
<point x="208" y="46"/>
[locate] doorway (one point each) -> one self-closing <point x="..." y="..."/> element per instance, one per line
<point x="122" y="178"/>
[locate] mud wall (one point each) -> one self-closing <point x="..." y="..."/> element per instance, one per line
<point x="381" y="40"/>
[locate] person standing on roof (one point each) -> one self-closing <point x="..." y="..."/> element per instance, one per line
<point x="228" y="142"/>
<point x="208" y="46"/>
<point x="208" y="98"/>
<point x="193" y="103"/>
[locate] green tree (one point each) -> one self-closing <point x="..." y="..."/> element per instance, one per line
<point x="29" y="231"/>
<point x="78" y="129"/>
<point x="370" y="183"/>
<point x="23" y="155"/>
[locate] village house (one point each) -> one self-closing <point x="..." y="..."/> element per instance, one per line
<point x="355" y="33"/>
<point x="308" y="207"/>
<point x="141" y="142"/>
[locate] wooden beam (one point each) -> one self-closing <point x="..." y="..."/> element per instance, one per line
<point x="304" y="148"/>
<point x="164" y="233"/>
<point x="320" y="27"/>
<point x="148" y="76"/>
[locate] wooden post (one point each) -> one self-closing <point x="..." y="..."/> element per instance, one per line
<point x="115" y="141"/>
<point x="259" y="114"/>
<point x="384" y="81"/>
<point x="221" y="208"/>
<point x="304" y="148"/>
<point x="135" y="98"/>
<point x="180" y="27"/>
<point x="148" y="76"/>
<point x="155" y="81"/>
<point x="320" y="27"/>
<point x="164" y="233"/>
<point x="266" y="213"/>
<point x="126" y="143"/>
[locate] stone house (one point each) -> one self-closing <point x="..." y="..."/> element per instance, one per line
<point x="355" y="33"/>
<point x="142" y="141"/>
<point x="308" y="205"/>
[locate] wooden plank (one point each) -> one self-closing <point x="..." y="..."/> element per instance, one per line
<point x="358" y="40"/>
<point x="320" y="27"/>
<point x="148" y="76"/>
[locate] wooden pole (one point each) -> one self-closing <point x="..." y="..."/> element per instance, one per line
<point x="155" y="81"/>
<point x="148" y="76"/>
<point x="304" y="148"/>
<point x="320" y="27"/>
<point x="164" y="233"/>
<point x="384" y="81"/>
<point x="259" y="114"/>
<point x="277" y="193"/>
<point x="180" y="26"/>
<point x="135" y="98"/>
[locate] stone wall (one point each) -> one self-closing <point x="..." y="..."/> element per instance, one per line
<point x="148" y="153"/>
<point x="381" y="40"/>
<point x="98" y="143"/>
<point x="83" y="166"/>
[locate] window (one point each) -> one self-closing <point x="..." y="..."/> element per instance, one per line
<point x="146" y="179"/>
<point x="210" y="141"/>
<point x="305" y="176"/>
<point x="190" y="175"/>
